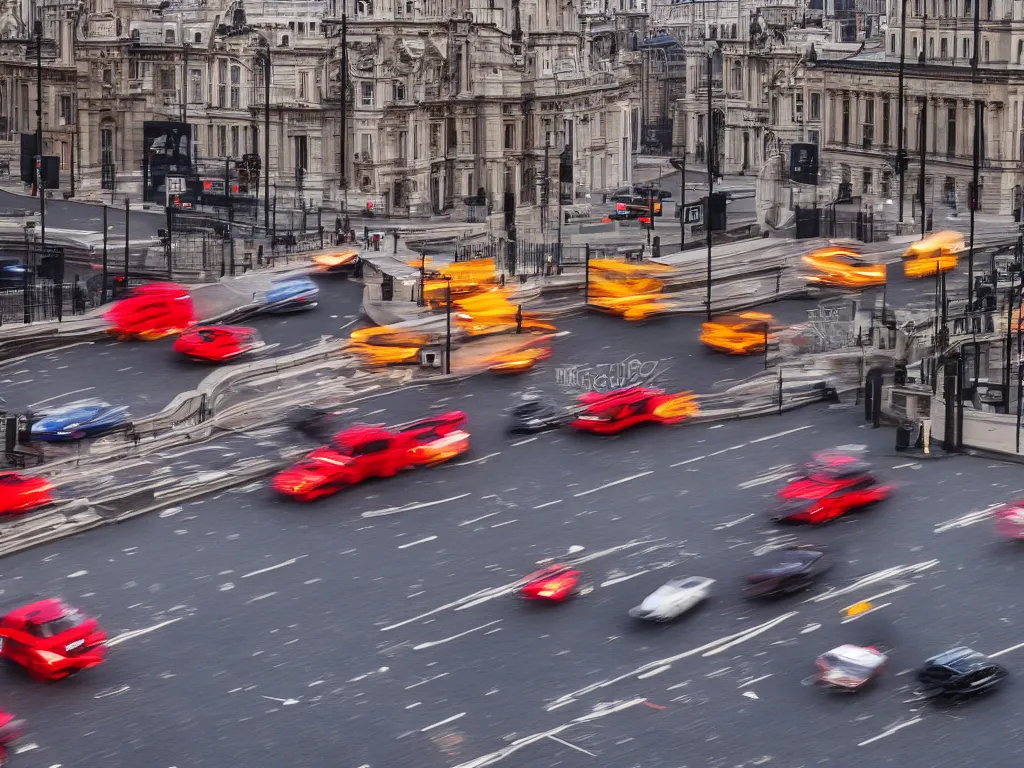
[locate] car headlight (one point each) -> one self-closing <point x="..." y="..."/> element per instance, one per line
<point x="49" y="657"/>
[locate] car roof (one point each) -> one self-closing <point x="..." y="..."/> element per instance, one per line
<point x="35" y="610"/>
<point x="960" y="658"/>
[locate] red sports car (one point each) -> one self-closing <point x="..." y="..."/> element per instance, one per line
<point x="11" y="729"/>
<point x="831" y="485"/>
<point x="555" y="584"/>
<point x="364" y="451"/>
<point x="612" y="412"/>
<point x="23" y="493"/>
<point x="218" y="343"/>
<point x="151" y="311"/>
<point x="51" y="640"/>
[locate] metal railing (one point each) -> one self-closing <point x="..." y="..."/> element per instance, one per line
<point x="46" y="301"/>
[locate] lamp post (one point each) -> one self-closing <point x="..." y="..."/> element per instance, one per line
<point x="979" y="116"/>
<point x="264" y="52"/>
<point x="710" y="47"/>
<point x="186" y="49"/>
<point x="448" y="327"/>
<point x="900" y="141"/>
<point x="26" y="304"/>
<point x="343" y="77"/>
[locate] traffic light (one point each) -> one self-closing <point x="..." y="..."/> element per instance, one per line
<point x="972" y="196"/>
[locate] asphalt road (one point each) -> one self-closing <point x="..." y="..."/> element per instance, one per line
<point x="375" y="629"/>
<point x="147" y="375"/>
<point x="86" y="216"/>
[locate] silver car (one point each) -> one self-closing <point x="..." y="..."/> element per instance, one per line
<point x="673" y="599"/>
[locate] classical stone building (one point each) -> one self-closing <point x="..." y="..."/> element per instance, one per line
<point x="446" y="99"/>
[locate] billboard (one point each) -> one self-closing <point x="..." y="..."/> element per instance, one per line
<point x="166" y="150"/>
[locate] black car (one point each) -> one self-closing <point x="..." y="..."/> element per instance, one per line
<point x="653" y="192"/>
<point x="319" y="424"/>
<point x="788" y="571"/>
<point x="538" y="416"/>
<point x="960" y="672"/>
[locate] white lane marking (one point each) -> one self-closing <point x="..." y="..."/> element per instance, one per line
<point x="490" y="593"/>
<point x="731" y="523"/>
<point x="879" y="596"/>
<point x="548" y="504"/>
<point x="655" y="671"/>
<point x="66" y="394"/>
<point x="749" y="635"/>
<point x="780" y="473"/>
<point x="856" y="616"/>
<point x="872" y="578"/>
<point x="77" y="574"/>
<point x="285" y="564"/>
<point x="424" y="682"/>
<point x="447" y="720"/>
<point x="282" y="702"/>
<point x="890" y="731"/>
<point x="412" y="506"/>
<point x="688" y="461"/>
<point x="419" y="541"/>
<point x="781" y="434"/>
<point x="757" y="680"/>
<point x="728" y="640"/>
<point x="424" y="646"/>
<point x="350" y="322"/>
<point x="908" y="464"/>
<point x="969" y="519"/>
<point x="614" y="483"/>
<point x="571" y="746"/>
<point x="112" y="692"/>
<point x="726" y="450"/>
<point x="751" y="695"/>
<point x="621" y="579"/>
<point x="139" y="632"/>
<point x="478" y="519"/>
<point x="524" y="442"/>
<point x="507" y="522"/>
<point x="476" y="461"/>
<point x="496" y="757"/>
<point x="1006" y="650"/>
<point x="260" y="597"/>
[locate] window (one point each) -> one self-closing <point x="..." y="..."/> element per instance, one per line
<point x="914" y="45"/>
<point x="967" y="48"/>
<point x="301" y="154"/>
<point x="885" y="122"/>
<point x="403" y="144"/>
<point x="892" y="43"/>
<point x="222" y="83"/>
<point x="775" y="110"/>
<point x="931" y="47"/>
<point x="197" y="38"/>
<point x="987" y="50"/>
<point x="302" y="86"/>
<point x="416" y="142"/>
<point x="234" y="141"/>
<point x="798" y="107"/>
<point x="814" y="137"/>
<point x="967" y="9"/>
<point x="1020" y="50"/>
<point x="222" y="140"/>
<point x="846" y="122"/>
<point x="209" y="139"/>
<point x="107" y="146"/>
<point x="398" y="91"/>
<point x="943" y="48"/>
<point x="236" y="87"/>
<point x="737" y="76"/>
<point x="167" y="79"/>
<point x="886" y="189"/>
<point x="945" y="8"/>
<point x="169" y="37"/>
<point x="366" y="147"/>
<point x="988" y="9"/>
<point x="374" y="446"/>
<point x="195" y="86"/>
<point x="951" y="131"/>
<point x="366" y="94"/>
<point x="510" y="136"/>
<point x="866" y="182"/>
<point x="133" y="69"/>
<point x="815" y="106"/>
<point x="66" y="112"/>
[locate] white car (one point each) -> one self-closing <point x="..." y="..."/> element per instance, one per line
<point x="673" y="599"/>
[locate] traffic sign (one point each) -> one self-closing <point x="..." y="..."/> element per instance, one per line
<point x="176" y="184"/>
<point x="693" y="213"/>
<point x="52" y="251"/>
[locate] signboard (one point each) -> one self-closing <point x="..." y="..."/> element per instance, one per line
<point x="167" y="149"/>
<point x="175" y="185"/>
<point x="693" y="213"/>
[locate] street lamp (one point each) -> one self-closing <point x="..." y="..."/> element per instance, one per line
<point x="979" y="116"/>
<point x="263" y="54"/>
<point x="448" y="326"/>
<point x="710" y="47"/>
<point x="343" y="78"/>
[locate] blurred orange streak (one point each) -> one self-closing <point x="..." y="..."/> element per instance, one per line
<point x="741" y="334"/>
<point x="328" y="261"/>
<point x="374" y="354"/>
<point x="679" y="407"/>
<point x="935" y="253"/>
<point x="843" y="268"/>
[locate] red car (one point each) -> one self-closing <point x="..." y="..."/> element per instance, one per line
<point x="23" y="493"/>
<point x="218" y="343"/>
<point x="364" y="451"/>
<point x="612" y="412"/>
<point x="831" y="485"/>
<point x="555" y="584"/>
<point x="151" y="311"/>
<point x="11" y="729"/>
<point x="51" y="640"/>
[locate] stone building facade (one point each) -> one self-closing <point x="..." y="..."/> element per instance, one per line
<point x="446" y="98"/>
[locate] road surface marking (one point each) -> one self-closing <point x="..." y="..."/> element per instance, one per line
<point x="780" y="473"/>
<point x="524" y="442"/>
<point x="424" y="646"/>
<point x="731" y="523"/>
<point x="478" y="519"/>
<point x="447" y="720"/>
<point x="350" y="322"/>
<point x="285" y="564"/>
<point x="418" y="541"/>
<point x="872" y="578"/>
<point x="507" y="522"/>
<point x="879" y="596"/>
<point x="614" y="483"/>
<point x="548" y="504"/>
<point x="282" y="702"/>
<point x="726" y="450"/>
<point x="412" y="506"/>
<point x="969" y="519"/>
<point x="424" y="682"/>
<point x="1006" y="650"/>
<point x="139" y="632"/>
<point x="655" y="671"/>
<point x="780" y="434"/>
<point x="750" y="635"/>
<point x="66" y="394"/>
<point x="756" y="680"/>
<point x="571" y="746"/>
<point x="476" y="461"/>
<point x="891" y="731"/>
<point x="260" y="597"/>
<point x="621" y="579"/>
<point x="688" y="461"/>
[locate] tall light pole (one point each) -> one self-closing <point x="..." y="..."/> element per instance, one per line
<point x="185" y="50"/>
<point x="39" y="133"/>
<point x="979" y="116"/>
<point x="900" y="147"/>
<point x="711" y="149"/>
<point x="264" y="46"/>
<point x="343" y="131"/>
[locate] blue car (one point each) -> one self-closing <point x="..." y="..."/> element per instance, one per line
<point x="79" y="421"/>
<point x="292" y="294"/>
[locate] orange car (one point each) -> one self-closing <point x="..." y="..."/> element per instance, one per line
<point x="742" y="334"/>
<point x="843" y="268"/>
<point x="936" y="253"/>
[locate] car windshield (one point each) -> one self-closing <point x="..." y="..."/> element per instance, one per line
<point x="68" y="621"/>
<point x="847" y="666"/>
<point x="693" y="583"/>
<point x="343" y="449"/>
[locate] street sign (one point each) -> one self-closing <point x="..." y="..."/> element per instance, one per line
<point x="52" y="251"/>
<point x="175" y="185"/>
<point x="693" y="213"/>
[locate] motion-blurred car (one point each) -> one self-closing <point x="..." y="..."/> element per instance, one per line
<point x="345" y="261"/>
<point x="1010" y="520"/>
<point x="960" y="672"/>
<point x="843" y="268"/>
<point x="218" y="343"/>
<point x="51" y="640"/>
<point x="538" y="415"/>
<point x="742" y="334"/>
<point x="849" y="667"/>
<point x="23" y="493"/>
<point x="519" y="359"/>
<point x="77" y="421"/>
<point x="364" y="451"/>
<point x="12" y="274"/>
<point x="11" y="729"/>
<point x="788" y="571"/>
<point x="293" y="294"/>
<point x="554" y="584"/>
<point x="830" y="485"/>
<point x="673" y="599"/>
<point x="936" y="253"/>
<point x="151" y="311"/>
<point x="612" y="412"/>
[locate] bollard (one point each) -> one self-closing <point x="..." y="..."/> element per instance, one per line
<point x="519" y="319"/>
